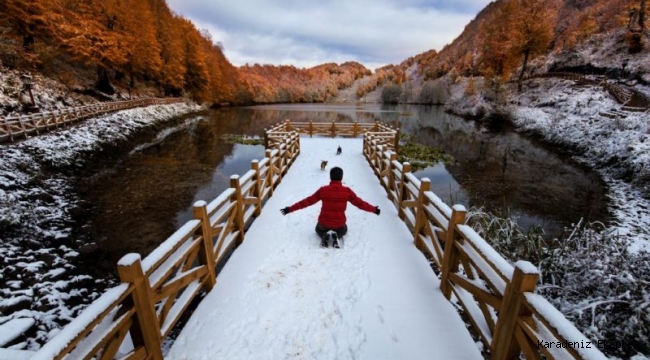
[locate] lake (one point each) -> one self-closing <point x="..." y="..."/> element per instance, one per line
<point x="145" y="196"/>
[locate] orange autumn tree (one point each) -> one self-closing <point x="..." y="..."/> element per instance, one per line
<point x="144" y="50"/>
<point x="30" y="19"/>
<point x="496" y="38"/>
<point x="196" y="80"/>
<point x="94" y="34"/>
<point x="172" y="53"/>
<point x="532" y="29"/>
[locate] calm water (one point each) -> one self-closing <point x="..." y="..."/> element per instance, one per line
<point x="146" y="196"/>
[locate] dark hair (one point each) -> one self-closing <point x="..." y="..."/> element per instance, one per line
<point x="336" y="174"/>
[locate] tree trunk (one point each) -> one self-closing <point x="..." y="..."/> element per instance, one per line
<point x="523" y="71"/>
<point x="103" y="83"/>
<point x="642" y="15"/>
<point x="28" y="41"/>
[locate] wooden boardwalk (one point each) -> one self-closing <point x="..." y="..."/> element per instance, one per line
<point x="377" y="298"/>
<point x="282" y="296"/>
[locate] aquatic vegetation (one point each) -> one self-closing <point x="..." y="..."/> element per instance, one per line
<point x="421" y="156"/>
<point x="242" y="139"/>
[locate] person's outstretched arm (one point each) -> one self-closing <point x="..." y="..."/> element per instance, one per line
<point x="361" y="204"/>
<point x="308" y="201"/>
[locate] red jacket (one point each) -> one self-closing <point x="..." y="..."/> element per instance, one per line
<point x="335" y="199"/>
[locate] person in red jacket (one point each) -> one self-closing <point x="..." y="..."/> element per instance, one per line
<point x="335" y="196"/>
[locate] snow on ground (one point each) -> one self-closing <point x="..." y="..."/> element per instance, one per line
<point x="619" y="149"/>
<point x="281" y="296"/>
<point x="37" y="210"/>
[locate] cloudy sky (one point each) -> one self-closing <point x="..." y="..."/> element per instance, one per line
<point x="305" y="33"/>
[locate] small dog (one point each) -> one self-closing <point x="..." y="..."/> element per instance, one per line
<point x="339" y="150"/>
<point x="323" y="164"/>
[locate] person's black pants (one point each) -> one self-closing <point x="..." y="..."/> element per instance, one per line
<point x="322" y="231"/>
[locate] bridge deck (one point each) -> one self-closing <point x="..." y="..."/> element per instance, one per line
<point x="280" y="296"/>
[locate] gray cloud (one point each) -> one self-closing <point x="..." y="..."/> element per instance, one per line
<point x="305" y="33"/>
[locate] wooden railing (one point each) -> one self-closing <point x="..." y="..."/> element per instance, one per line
<point x="334" y="129"/>
<point x="155" y="291"/>
<point x="497" y="297"/>
<point x="12" y="128"/>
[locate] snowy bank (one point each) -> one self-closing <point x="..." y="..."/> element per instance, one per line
<point x="38" y="207"/>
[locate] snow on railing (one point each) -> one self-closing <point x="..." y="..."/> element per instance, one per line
<point x="332" y="129"/>
<point x="497" y="297"/>
<point x="131" y="320"/>
<point x="14" y="127"/>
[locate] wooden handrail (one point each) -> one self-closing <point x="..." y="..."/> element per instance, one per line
<point x="12" y="128"/>
<point x="497" y="297"/>
<point x="157" y="290"/>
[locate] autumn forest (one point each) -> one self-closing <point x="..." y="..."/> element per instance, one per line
<point x="143" y="48"/>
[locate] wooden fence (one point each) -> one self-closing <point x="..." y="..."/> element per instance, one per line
<point x="497" y="297"/>
<point x="334" y="129"/>
<point x="155" y="291"/>
<point x="12" y="128"/>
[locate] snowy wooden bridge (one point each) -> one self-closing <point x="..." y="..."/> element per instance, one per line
<point x="267" y="291"/>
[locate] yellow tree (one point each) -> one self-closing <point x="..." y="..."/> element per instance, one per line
<point x="144" y="50"/>
<point x="532" y="29"/>
<point x="30" y="18"/>
<point x="172" y="75"/>
<point x="196" y="80"/>
<point x="93" y="33"/>
<point x="495" y="42"/>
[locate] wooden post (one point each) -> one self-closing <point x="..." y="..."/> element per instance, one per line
<point x="420" y="213"/>
<point x="406" y="168"/>
<point x="311" y="128"/>
<point x="146" y="330"/>
<point x="266" y="139"/>
<point x="239" y="207"/>
<point x="450" y="256"/>
<point x="397" y="136"/>
<point x="504" y="345"/>
<point x="365" y="145"/>
<point x="379" y="154"/>
<point x="255" y="165"/>
<point x="287" y="125"/>
<point x="376" y="127"/>
<point x="355" y="129"/>
<point x="391" y="177"/>
<point x="281" y="158"/>
<point x="206" y="253"/>
<point x="269" y="173"/>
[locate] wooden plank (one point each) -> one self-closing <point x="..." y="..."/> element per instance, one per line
<point x="139" y="353"/>
<point x="144" y="305"/>
<point x="177" y="283"/>
<point x="179" y="307"/>
<point x="503" y="347"/>
<point x="172" y="261"/>
<point x="481" y="293"/>
<point x="101" y="335"/>
<point x="527" y="347"/>
<point x="116" y="340"/>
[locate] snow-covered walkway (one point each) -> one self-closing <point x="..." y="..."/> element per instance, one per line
<point x="281" y="296"/>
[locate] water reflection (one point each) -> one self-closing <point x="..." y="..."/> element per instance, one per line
<point x="146" y="196"/>
<point x="507" y="172"/>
